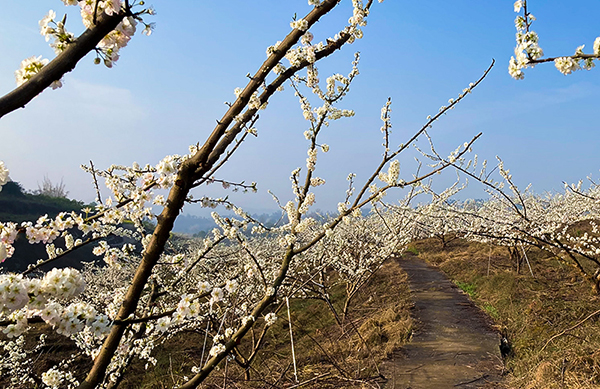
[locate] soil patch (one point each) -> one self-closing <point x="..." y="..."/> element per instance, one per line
<point x="453" y="345"/>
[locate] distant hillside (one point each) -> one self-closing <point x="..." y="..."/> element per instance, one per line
<point x="191" y="225"/>
<point x="16" y="205"/>
<point x="199" y="226"/>
<point x="26" y="254"/>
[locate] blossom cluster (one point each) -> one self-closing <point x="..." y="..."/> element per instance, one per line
<point x="117" y="38"/>
<point x="51" y="29"/>
<point x="3" y="174"/>
<point x="8" y="234"/>
<point x="55" y="378"/>
<point x="22" y="297"/>
<point x="391" y="177"/>
<point x="270" y="318"/>
<point x="14" y="361"/>
<point x="567" y="65"/>
<point x="30" y="67"/>
<point x="300" y="24"/>
<point x="527" y="48"/>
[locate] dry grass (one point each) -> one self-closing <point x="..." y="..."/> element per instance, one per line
<point x="347" y="356"/>
<point x="378" y="323"/>
<point x="530" y="310"/>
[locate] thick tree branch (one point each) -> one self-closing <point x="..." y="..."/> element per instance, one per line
<point x="210" y="146"/>
<point x="63" y="63"/>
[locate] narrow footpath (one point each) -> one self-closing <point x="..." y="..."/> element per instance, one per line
<point x="453" y="345"/>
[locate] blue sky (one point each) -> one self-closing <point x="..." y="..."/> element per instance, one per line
<point x="168" y="89"/>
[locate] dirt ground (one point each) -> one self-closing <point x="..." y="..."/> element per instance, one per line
<point x="454" y="345"/>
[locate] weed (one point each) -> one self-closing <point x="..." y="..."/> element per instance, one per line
<point x="491" y="310"/>
<point x="468" y="288"/>
<point x="412" y="250"/>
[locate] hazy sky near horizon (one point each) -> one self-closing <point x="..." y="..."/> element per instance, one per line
<point x="167" y="91"/>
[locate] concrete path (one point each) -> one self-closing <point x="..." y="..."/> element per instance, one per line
<point x="453" y="345"/>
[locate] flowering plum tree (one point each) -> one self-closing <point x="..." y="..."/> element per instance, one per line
<point x="228" y="283"/>
<point x="518" y="218"/>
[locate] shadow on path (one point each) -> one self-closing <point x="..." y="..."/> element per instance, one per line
<point x="453" y="345"/>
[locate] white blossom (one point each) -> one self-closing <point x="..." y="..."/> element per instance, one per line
<point x="270" y="318"/>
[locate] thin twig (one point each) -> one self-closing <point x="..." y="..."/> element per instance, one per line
<point x="527" y="259"/>
<point x="308" y="381"/>
<point x="98" y="195"/>
<point x="570" y="329"/>
<point x="473" y="380"/>
<point x="287" y="302"/>
<point x="66" y="252"/>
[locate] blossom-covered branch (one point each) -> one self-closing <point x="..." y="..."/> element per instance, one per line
<point x="528" y="52"/>
<point x="110" y="26"/>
